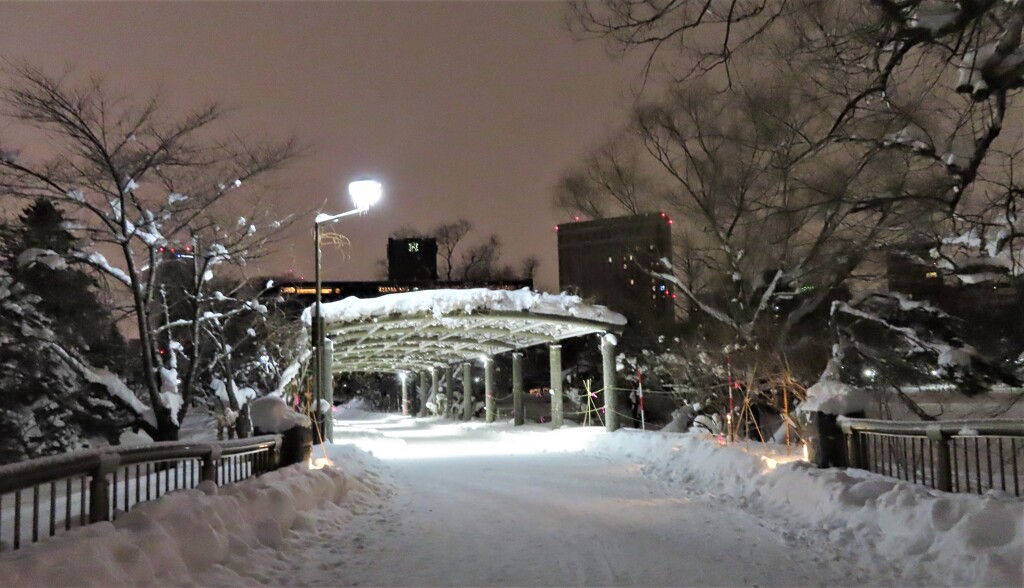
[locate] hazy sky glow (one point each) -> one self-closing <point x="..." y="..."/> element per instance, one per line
<point x="468" y="109"/>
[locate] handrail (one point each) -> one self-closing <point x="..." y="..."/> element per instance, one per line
<point x="42" y="470"/>
<point x="938" y="452"/>
<point x="993" y="427"/>
<point x="89" y="486"/>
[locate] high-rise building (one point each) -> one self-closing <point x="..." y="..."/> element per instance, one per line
<point x="412" y="259"/>
<point x="611" y="261"/>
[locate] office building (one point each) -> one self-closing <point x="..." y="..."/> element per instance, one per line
<point x="611" y="262"/>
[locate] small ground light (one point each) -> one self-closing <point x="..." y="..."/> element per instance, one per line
<point x="869" y="373"/>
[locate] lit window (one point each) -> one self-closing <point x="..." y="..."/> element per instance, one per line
<point x="932" y="275"/>
<point x="632" y="282"/>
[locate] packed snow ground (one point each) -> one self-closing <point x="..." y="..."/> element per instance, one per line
<point x="442" y="503"/>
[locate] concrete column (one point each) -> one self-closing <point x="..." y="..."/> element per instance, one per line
<point x="557" y="411"/>
<point x="517" y="389"/>
<point x="611" y="401"/>
<point x="423" y="394"/>
<point x="327" y="386"/>
<point x="404" y="377"/>
<point x="449" y="386"/>
<point x="467" y="391"/>
<point x="489" y="388"/>
<point x="433" y="385"/>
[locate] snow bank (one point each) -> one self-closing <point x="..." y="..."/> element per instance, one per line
<point x="929" y="537"/>
<point x="176" y="539"/>
<point x="357" y="409"/>
<point x="442" y="302"/>
<point x="271" y="414"/>
<point x="832" y="397"/>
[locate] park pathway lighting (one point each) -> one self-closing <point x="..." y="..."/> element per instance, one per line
<point x="364" y="194"/>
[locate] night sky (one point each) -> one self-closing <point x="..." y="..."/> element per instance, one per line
<point x="467" y="109"/>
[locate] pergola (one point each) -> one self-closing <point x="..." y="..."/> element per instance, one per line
<point x="427" y="331"/>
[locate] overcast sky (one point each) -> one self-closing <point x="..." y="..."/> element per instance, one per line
<point x="468" y="109"/>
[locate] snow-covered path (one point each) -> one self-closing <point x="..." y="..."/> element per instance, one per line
<point x="468" y="504"/>
<point x="518" y="510"/>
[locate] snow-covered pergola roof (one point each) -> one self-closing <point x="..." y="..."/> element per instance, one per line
<point x="425" y="329"/>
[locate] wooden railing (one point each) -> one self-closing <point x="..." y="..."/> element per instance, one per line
<point x="40" y="497"/>
<point x="952" y="456"/>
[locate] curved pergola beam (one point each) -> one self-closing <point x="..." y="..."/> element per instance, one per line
<point x="426" y="330"/>
<point x="446" y="326"/>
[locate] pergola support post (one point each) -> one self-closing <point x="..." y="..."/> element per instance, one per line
<point x="518" y="418"/>
<point x="404" y="377"/>
<point x="489" y="388"/>
<point x="557" y="410"/>
<point x="611" y="403"/>
<point x="433" y="386"/>
<point x="467" y="391"/>
<point x="423" y="393"/>
<point x="449" y="387"/>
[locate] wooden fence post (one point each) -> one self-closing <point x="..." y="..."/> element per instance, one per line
<point x="210" y="461"/>
<point x="943" y="471"/>
<point x="99" y="487"/>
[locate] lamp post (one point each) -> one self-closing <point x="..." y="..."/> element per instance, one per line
<point x="364" y="193"/>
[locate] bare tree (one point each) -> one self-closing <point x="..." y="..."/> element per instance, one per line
<point x="461" y="259"/>
<point x="933" y="79"/>
<point x="141" y="182"/>
<point x="448" y="236"/>
<point x="611" y="178"/>
<point x="889" y="126"/>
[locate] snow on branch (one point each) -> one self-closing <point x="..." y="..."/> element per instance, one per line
<point x="98" y="261"/>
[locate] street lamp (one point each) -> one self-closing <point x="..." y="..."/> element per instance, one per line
<point x="364" y="193"/>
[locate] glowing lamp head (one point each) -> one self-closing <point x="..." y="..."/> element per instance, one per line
<point x="365" y="193"/>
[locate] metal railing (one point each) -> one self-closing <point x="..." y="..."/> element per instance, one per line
<point x="952" y="456"/>
<point x="42" y="496"/>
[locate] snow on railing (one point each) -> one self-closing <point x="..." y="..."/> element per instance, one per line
<point x="952" y="456"/>
<point x="40" y="497"/>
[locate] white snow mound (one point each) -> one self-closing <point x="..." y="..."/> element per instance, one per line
<point x="271" y="414"/>
<point x="832" y="397"/>
<point x="927" y="536"/>
<point x="442" y="302"/>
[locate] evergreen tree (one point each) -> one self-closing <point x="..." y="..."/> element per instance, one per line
<point x="67" y="296"/>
